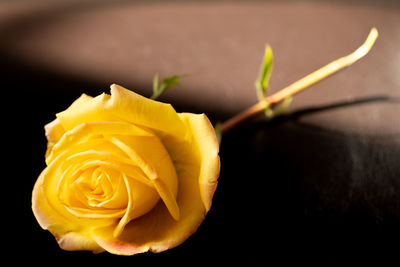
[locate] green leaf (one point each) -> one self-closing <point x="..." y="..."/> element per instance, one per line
<point x="166" y="83"/>
<point x="269" y="113"/>
<point x="284" y="106"/>
<point x="218" y="132"/>
<point x="265" y="73"/>
<point x="155" y="83"/>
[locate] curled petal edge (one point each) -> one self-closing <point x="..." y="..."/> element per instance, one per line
<point x="206" y="140"/>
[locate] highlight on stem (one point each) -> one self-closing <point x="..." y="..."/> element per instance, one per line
<point x="266" y="102"/>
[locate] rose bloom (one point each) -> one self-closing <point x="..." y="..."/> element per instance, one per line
<point x="125" y="174"/>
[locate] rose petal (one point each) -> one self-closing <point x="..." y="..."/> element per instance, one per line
<point x="74" y="241"/>
<point x="96" y="214"/>
<point x="205" y="140"/>
<point x="81" y="102"/>
<point x="92" y="158"/>
<point x="119" y="196"/>
<point x="124" y="105"/>
<point x="146" y="112"/>
<point x="54" y="130"/>
<point x="44" y="213"/>
<point x="141" y="200"/>
<point x="87" y="110"/>
<point x="165" y="185"/>
<point x="83" y="132"/>
<point x="131" y="171"/>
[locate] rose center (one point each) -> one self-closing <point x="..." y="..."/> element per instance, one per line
<point x="95" y="186"/>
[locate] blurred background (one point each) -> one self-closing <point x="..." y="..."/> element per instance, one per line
<point x="321" y="184"/>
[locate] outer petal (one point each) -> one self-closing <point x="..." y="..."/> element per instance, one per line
<point x="45" y="215"/>
<point x="73" y="241"/>
<point x="81" y="102"/>
<point x="206" y="141"/>
<point x="88" y="110"/>
<point x="54" y="131"/>
<point x="124" y="105"/>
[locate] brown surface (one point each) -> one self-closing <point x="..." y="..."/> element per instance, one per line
<point x="317" y="186"/>
<point x="221" y="44"/>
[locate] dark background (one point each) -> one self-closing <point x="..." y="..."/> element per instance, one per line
<point x="319" y="185"/>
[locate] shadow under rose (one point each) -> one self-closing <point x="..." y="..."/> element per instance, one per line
<point x="299" y="192"/>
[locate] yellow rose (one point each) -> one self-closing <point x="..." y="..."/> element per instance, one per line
<point x="125" y="174"/>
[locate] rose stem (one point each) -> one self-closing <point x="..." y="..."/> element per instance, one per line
<point x="304" y="82"/>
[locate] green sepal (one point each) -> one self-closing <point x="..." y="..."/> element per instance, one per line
<point x="262" y="83"/>
<point x="218" y="132"/>
<point x="283" y="106"/>
<point x="166" y="83"/>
